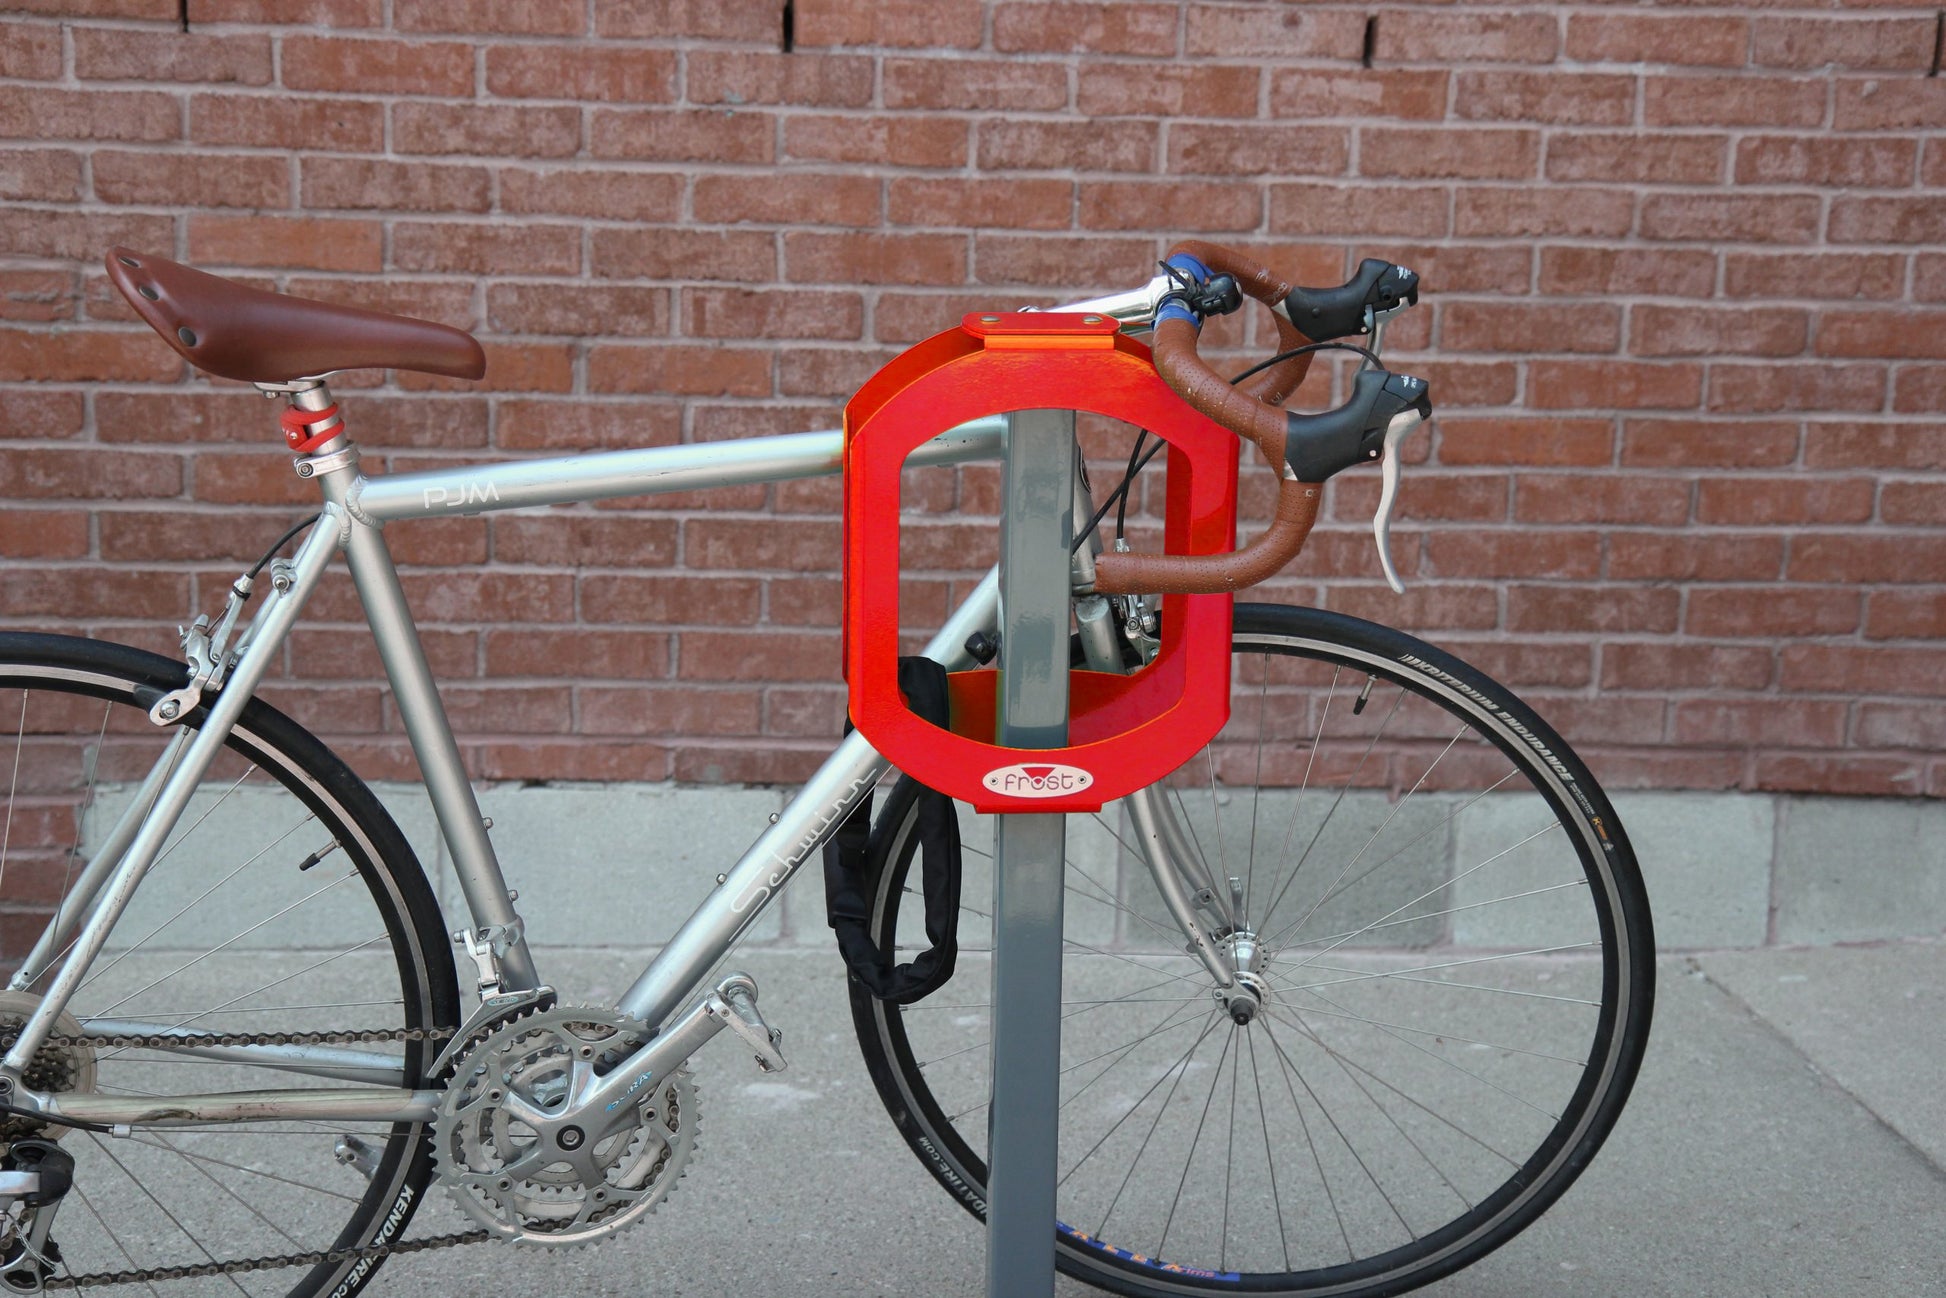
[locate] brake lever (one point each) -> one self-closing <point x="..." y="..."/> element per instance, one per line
<point x="1400" y="428"/>
<point x="1375" y="321"/>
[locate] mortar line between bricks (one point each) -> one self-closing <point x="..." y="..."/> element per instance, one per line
<point x="1825" y="1078"/>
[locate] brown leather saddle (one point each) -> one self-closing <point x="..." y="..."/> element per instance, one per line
<point x="236" y="332"/>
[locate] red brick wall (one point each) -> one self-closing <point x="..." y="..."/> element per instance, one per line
<point x="1685" y="318"/>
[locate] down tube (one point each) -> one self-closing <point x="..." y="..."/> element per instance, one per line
<point x="819" y="808"/>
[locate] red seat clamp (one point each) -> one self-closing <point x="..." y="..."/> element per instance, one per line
<point x="306" y="430"/>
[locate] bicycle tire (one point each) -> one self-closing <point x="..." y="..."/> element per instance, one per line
<point x="1616" y="1029"/>
<point x="75" y="712"/>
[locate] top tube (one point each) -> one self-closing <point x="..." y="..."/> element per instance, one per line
<point x="524" y="484"/>
<point x="520" y="484"/>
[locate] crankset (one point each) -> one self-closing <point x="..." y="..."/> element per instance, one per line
<point x="562" y="1126"/>
<point x="517" y="1151"/>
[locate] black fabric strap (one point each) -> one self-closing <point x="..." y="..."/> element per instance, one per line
<point x="923" y="682"/>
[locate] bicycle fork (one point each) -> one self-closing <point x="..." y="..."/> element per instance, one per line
<point x="1181" y="875"/>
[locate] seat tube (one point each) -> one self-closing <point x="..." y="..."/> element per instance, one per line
<point x="431" y="736"/>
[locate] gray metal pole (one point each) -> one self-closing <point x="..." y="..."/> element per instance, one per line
<point x="1029" y="856"/>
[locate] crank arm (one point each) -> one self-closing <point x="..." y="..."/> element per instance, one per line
<point x="607" y="1105"/>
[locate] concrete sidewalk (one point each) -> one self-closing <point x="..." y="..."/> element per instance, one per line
<point x="1787" y="1137"/>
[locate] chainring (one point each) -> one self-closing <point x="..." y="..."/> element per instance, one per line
<point x="512" y="1176"/>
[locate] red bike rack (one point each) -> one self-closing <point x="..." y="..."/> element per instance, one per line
<point x="1125" y="732"/>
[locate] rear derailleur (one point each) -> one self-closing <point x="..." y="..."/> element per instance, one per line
<point x="34" y="1175"/>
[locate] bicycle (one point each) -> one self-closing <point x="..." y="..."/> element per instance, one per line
<point x="1441" y="1017"/>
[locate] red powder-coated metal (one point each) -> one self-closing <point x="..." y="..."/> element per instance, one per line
<point x="306" y="430"/>
<point x="1126" y="732"/>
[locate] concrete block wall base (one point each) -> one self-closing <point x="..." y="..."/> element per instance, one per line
<point x="624" y="864"/>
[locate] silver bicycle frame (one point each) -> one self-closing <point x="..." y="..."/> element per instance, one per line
<point x="356" y="509"/>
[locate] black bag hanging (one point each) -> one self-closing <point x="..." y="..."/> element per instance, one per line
<point x="923" y="682"/>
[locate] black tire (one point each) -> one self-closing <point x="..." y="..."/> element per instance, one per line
<point x="1276" y="646"/>
<point x="75" y="718"/>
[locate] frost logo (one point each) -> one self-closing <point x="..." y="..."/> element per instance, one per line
<point x="1037" y="781"/>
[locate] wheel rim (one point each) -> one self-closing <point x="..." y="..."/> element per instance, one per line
<point x="229" y="934"/>
<point x="1350" y="1137"/>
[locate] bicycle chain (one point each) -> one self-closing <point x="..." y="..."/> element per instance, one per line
<point x="153" y="1274"/>
<point x="166" y="1040"/>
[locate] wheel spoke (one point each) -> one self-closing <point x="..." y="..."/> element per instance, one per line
<point x="95" y="975"/>
<point x="1451" y="910"/>
<point x="221" y="937"/>
<point x="1189" y="1160"/>
<point x="1421" y="837"/>
<point x="13" y="785"/>
<point x="1174" y="1068"/>
<point x="1215" y="815"/>
<point x="230" y="941"/>
<point x="109" y="1231"/>
<point x="1337" y="1130"/>
<point x="1441" y="887"/>
<point x="80" y="818"/>
<point x="1256" y="795"/>
<point x="1163" y="1027"/>
<point x="1176" y="1074"/>
<point x="1270" y="1160"/>
<point x="258" y="1172"/>
<point x="1286" y="1070"/>
<point x="162" y="1208"/>
<point x="1333" y="890"/>
<point x="1101" y="892"/>
<point x="1332" y="810"/>
<point x="1427" y="1109"/>
<point x="1410" y="919"/>
<point x="1448" y="964"/>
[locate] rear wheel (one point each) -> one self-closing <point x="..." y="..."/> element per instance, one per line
<point x="285" y="901"/>
<point x="1455" y="974"/>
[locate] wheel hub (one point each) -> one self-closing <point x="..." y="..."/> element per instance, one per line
<point x="1246" y="995"/>
<point x="1242" y="999"/>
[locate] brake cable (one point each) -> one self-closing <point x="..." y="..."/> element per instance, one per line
<point x="1118" y="498"/>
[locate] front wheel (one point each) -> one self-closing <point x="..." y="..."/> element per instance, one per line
<point x="1452" y="948"/>
<point x="285" y="901"/>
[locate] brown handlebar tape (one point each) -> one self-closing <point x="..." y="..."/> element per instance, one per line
<point x="1275" y="384"/>
<point x="1202" y="574"/>
<point x="1251" y="411"/>
<point x="1209" y="392"/>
